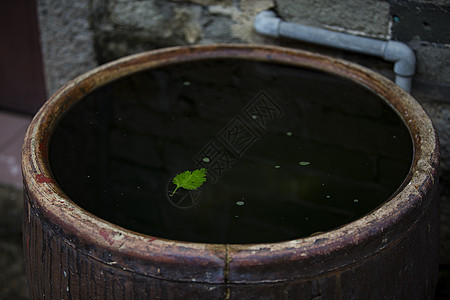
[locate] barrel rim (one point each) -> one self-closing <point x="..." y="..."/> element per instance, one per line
<point x="57" y="207"/>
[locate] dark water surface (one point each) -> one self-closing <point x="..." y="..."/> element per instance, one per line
<point x="289" y="151"/>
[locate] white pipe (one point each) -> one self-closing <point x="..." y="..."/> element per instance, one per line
<point x="404" y="59"/>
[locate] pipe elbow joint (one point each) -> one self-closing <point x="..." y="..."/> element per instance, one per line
<point x="403" y="56"/>
<point x="267" y="23"/>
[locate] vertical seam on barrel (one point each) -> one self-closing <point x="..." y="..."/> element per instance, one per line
<point x="226" y="272"/>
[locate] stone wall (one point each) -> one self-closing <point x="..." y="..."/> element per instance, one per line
<point x="67" y="40"/>
<point x="77" y="36"/>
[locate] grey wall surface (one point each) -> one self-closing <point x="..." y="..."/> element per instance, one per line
<point x="77" y="36"/>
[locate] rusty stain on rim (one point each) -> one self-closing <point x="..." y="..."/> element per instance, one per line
<point x="229" y="263"/>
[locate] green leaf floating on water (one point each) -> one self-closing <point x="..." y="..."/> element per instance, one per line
<point x="189" y="180"/>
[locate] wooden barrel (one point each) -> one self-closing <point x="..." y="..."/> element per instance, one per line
<point x="389" y="253"/>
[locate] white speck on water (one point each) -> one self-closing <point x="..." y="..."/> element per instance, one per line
<point x="206" y="159"/>
<point x="254" y="117"/>
<point x="119" y="119"/>
<point x="306" y="219"/>
<point x="355" y="200"/>
<point x="304" y="163"/>
<point x="289" y="133"/>
<point x="138" y="187"/>
<point x="328" y="196"/>
<point x="186" y="83"/>
<point x="277" y="167"/>
<point x="89" y="176"/>
<point x="240" y="203"/>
